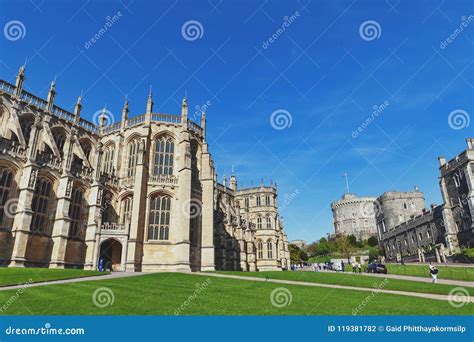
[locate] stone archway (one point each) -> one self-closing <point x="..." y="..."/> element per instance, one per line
<point x="111" y="253"/>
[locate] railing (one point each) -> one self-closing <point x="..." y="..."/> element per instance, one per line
<point x="107" y="179"/>
<point x="175" y="119"/>
<point x="113" y="226"/>
<point x="33" y="100"/>
<point x="7" y="87"/>
<point x="112" y="128"/>
<point x="136" y="120"/>
<point x="165" y="180"/>
<point x="12" y="148"/>
<point x="194" y="127"/>
<point x="63" y="114"/>
<point x="82" y="172"/>
<point x="88" y="126"/>
<point x="49" y="160"/>
<point x="127" y="182"/>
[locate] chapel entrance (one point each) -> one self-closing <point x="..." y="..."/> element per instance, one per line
<point x="111" y="255"/>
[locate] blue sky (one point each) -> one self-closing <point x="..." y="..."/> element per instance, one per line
<point x="322" y="72"/>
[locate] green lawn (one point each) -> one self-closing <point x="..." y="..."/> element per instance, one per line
<point x="12" y="276"/>
<point x="164" y="293"/>
<point x="445" y="272"/>
<point x="349" y="279"/>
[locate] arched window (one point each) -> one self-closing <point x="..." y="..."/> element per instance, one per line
<point x="41" y="206"/>
<point x="108" y="165"/>
<point x="75" y="210"/>
<point x="269" y="249"/>
<point x="60" y="140"/>
<point x="259" y="201"/>
<point x="26" y="126"/>
<point x="6" y="180"/>
<point x="267" y="201"/>
<point x="457" y="181"/>
<point x="269" y="222"/>
<point x="132" y="157"/>
<point x="246" y="202"/>
<point x="259" y="249"/>
<point x="159" y="225"/>
<point x="163" y="158"/>
<point x="259" y="222"/>
<point x="126" y="213"/>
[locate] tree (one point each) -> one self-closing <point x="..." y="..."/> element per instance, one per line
<point x="322" y="249"/>
<point x="352" y="240"/>
<point x="344" y="246"/>
<point x="374" y="253"/>
<point x="372" y="241"/>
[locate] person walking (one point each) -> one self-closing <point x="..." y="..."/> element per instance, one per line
<point x="342" y="266"/>
<point x="354" y="267"/>
<point x="359" y="266"/>
<point x="434" y="273"/>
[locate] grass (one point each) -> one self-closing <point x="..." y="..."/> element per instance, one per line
<point x="165" y="293"/>
<point x="14" y="276"/>
<point x="445" y="272"/>
<point x="356" y="280"/>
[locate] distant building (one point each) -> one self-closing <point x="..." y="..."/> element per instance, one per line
<point x="299" y="243"/>
<point x="355" y="216"/>
<point x="434" y="234"/>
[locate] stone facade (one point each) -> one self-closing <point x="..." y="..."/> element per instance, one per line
<point x="436" y="234"/>
<point x="354" y="216"/>
<point x="140" y="194"/>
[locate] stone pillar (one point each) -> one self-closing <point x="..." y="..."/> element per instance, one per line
<point x="448" y="219"/>
<point x="181" y="232"/>
<point x="438" y="259"/>
<point x="470" y="183"/>
<point x="24" y="213"/>
<point x="207" y="210"/>
<point x="135" y="242"/>
<point x="62" y="222"/>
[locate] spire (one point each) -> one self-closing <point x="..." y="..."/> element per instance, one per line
<point x="77" y="109"/>
<point x="20" y="78"/>
<point x="51" y="94"/>
<point x="184" y="108"/>
<point x="203" y="124"/>
<point x="224" y="180"/>
<point x="103" y="117"/>
<point x="149" y="104"/>
<point x="233" y="180"/>
<point x="125" y="111"/>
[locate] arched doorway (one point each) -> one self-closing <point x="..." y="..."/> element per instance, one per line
<point x="111" y="254"/>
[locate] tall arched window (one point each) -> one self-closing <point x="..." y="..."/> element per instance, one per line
<point x="26" y="126"/>
<point x="60" y="140"/>
<point x="163" y="158"/>
<point x="259" y="222"/>
<point x="108" y="165"/>
<point x="259" y="249"/>
<point x="259" y="201"/>
<point x="132" y="157"/>
<point x="159" y="225"/>
<point x="6" y="180"/>
<point x="267" y="201"/>
<point x="126" y="213"/>
<point x="269" y="249"/>
<point x="269" y="222"/>
<point x="41" y="206"/>
<point x="75" y="210"/>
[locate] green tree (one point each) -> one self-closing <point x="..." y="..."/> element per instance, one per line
<point x="372" y="241"/>
<point x="344" y="246"/>
<point x="352" y="240"/>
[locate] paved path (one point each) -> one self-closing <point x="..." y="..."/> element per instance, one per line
<point x="342" y="287"/>
<point x="412" y="278"/>
<point x="113" y="275"/>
